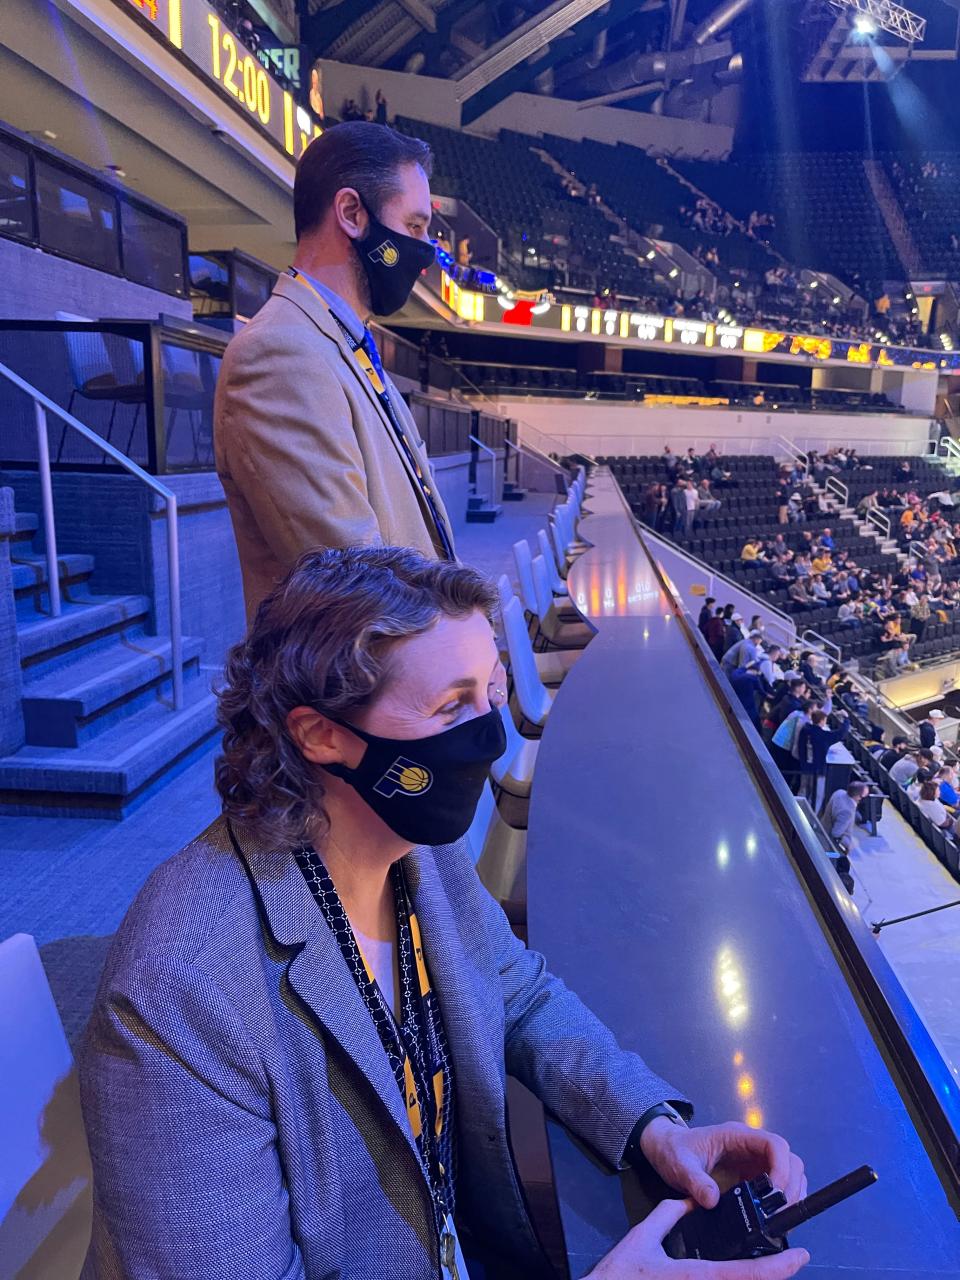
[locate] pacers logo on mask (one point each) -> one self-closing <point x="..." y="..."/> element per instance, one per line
<point x="406" y="777"/>
<point x="387" y="253"/>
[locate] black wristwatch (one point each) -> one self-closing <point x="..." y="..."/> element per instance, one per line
<point x="633" y="1154"/>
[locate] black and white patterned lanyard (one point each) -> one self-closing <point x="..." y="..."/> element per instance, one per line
<point x="415" y="1042"/>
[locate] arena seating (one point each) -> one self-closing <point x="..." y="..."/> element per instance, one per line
<point x="522" y="198"/>
<point x="648" y="196"/>
<point x="749" y="508"/>
<point x="825" y="211"/>
<point x="927" y="190"/>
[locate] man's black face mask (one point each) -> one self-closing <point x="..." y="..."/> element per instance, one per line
<point x="391" y="262"/>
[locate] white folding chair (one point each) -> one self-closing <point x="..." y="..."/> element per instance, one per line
<point x="533" y="697"/>
<point x="564" y="606"/>
<point x="513" y="772"/>
<point x="549" y="553"/>
<point x="559" y="632"/>
<point x="500" y="854"/>
<point x="46" y="1187"/>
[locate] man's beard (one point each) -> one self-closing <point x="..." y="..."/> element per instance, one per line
<point x="361" y="285"/>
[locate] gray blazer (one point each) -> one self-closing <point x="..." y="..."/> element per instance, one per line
<point x="243" y="1118"/>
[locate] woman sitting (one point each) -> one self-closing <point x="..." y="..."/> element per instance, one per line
<point x="929" y="803"/>
<point x="296" y="1067"/>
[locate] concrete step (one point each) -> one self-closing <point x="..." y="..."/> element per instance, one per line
<point x="31" y="570"/>
<point x="484" y="514"/>
<point x="25" y="526"/>
<point x="72" y="703"/>
<point x="512" y="492"/>
<point x="115" y="770"/>
<point x="92" y="623"/>
<point x="30" y="580"/>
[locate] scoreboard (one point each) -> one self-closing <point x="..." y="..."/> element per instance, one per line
<point x="639" y="328"/>
<point x="201" y="37"/>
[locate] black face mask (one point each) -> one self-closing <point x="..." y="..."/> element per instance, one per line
<point x="426" y="789"/>
<point x="392" y="263"/>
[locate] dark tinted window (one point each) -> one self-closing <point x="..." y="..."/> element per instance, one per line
<point x="209" y="285"/>
<point x="77" y="218"/>
<point x="16" y="213"/>
<point x="153" y="249"/>
<point x="251" y="289"/>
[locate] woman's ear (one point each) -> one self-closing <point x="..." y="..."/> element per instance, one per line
<point x="321" y="741"/>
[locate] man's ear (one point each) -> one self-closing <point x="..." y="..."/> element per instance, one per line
<point x="350" y="213"/>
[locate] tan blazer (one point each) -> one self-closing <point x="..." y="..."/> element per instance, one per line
<point x="306" y="454"/>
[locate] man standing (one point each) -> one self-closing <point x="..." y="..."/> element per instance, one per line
<point x="691" y="503"/>
<point x="928" y="728"/>
<point x="840" y="813"/>
<point x="706" y="613"/>
<point x="314" y="444"/>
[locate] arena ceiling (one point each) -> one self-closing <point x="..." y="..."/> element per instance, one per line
<point x="670" y="56"/>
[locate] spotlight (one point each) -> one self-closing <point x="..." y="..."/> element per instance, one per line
<point x="864" y="25"/>
<point x="651" y="255"/>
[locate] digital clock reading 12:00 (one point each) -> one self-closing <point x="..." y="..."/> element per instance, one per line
<point x="197" y="31"/>
<point x="240" y="72"/>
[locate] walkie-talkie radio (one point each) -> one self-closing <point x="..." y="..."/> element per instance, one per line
<point x="752" y="1219"/>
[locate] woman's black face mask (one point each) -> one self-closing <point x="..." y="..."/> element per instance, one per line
<point x="426" y="789"/>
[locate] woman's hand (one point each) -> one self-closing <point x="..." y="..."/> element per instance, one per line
<point x="640" y="1255"/>
<point x="692" y="1160"/>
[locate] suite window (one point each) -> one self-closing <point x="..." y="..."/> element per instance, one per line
<point x="77" y="218"/>
<point x="16" y="211"/>
<point x="153" y="249"/>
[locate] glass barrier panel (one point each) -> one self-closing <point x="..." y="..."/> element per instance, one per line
<point x="153" y="249"/>
<point x="251" y="289"/>
<point x="96" y="374"/>
<point x="189" y="380"/>
<point x="209" y="285"/>
<point x="76" y="218"/>
<point x="16" y="208"/>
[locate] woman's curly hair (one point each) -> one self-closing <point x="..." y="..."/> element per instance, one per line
<point x="322" y="639"/>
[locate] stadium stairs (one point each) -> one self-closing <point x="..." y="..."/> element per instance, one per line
<point x="97" y="695"/>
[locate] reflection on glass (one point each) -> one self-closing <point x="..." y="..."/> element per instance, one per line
<point x="723" y="855"/>
<point x="751" y="845"/>
<point x="730" y="987"/>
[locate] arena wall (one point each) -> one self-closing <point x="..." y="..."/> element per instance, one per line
<point x="603" y="428"/>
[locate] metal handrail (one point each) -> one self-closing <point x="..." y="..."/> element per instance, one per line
<point x="839" y="489"/>
<point x="42" y="406"/>
<point x="814" y="640"/>
<point x="880" y="520"/>
<point x="794" y="451"/>
<point x="493" y="467"/>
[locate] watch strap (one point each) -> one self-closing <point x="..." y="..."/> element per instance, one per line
<point x="633" y="1155"/>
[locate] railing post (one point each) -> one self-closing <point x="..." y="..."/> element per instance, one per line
<point x="173" y="583"/>
<point x="46" y="499"/>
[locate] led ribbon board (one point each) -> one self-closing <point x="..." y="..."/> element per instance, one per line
<point x="200" y="35"/>
<point x="633" y="328"/>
